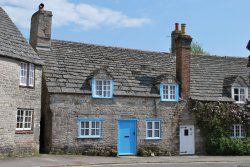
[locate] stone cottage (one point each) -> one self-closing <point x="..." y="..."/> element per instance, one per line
<point x="101" y="99"/>
<point x="20" y="91"/>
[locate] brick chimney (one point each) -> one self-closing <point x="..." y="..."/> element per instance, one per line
<point x="181" y="47"/>
<point x="40" y="32"/>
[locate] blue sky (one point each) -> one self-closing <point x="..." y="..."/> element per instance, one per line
<point x="222" y="27"/>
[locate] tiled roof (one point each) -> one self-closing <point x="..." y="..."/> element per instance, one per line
<point x="70" y="64"/>
<point x="12" y="43"/>
<point x="208" y="74"/>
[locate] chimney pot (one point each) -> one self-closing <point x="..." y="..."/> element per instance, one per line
<point x="176" y="26"/>
<point x="41" y="6"/>
<point x="183" y="28"/>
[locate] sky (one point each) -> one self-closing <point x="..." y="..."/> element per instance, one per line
<point x="221" y="27"/>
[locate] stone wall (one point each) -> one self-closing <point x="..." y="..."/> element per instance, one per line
<point x="187" y="117"/>
<point x="12" y="96"/>
<point x="66" y="108"/>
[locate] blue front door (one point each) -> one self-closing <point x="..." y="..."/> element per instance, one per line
<point x="127" y="137"/>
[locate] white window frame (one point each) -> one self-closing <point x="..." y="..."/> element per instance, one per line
<point x="90" y="128"/>
<point x="244" y="95"/>
<point x="27" y="74"/>
<point x="238" y="131"/>
<point x="153" y="129"/>
<point x="23" y="73"/>
<point x="31" y="74"/>
<point x="103" y="89"/>
<point x="26" y="118"/>
<point x="169" y="92"/>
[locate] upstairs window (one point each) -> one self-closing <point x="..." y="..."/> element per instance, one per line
<point x="239" y="94"/>
<point x="169" y="92"/>
<point x="102" y="88"/>
<point x="238" y="131"/>
<point x="152" y="129"/>
<point x="27" y="71"/>
<point x="24" y="120"/>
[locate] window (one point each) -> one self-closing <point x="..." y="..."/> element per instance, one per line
<point x="169" y="92"/>
<point x="102" y="88"/>
<point x="152" y="129"/>
<point x="238" y="131"/>
<point x="89" y="128"/>
<point x="239" y="94"/>
<point x="24" y="120"/>
<point x="27" y="71"/>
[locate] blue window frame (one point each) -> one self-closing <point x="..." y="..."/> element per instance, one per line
<point x="102" y="88"/>
<point x="169" y="92"/>
<point x="153" y="129"/>
<point x="89" y="127"/>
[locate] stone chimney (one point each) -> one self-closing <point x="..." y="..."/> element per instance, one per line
<point x="181" y="47"/>
<point x="40" y="32"/>
<point x="248" y="47"/>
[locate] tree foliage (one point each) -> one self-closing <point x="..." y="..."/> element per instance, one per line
<point x="197" y="49"/>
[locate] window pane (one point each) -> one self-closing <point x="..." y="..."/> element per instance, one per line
<point x="87" y="132"/>
<point x="236" y="97"/>
<point x="236" y="91"/>
<point x="82" y="132"/>
<point x="92" y="132"/>
<point x="157" y="133"/>
<point x="93" y="124"/>
<point x="31" y="74"/>
<point x="242" y="91"/>
<point x="97" y="124"/>
<point x="242" y="131"/>
<point x="97" y="132"/>
<point x="86" y="124"/>
<point x="149" y="125"/>
<point x="82" y="125"/>
<point x="157" y="125"/>
<point x="149" y="133"/>
<point x="237" y="131"/>
<point x="232" y="131"/>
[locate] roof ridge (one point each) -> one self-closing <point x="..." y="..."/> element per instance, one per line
<point x="219" y="56"/>
<point x="115" y="47"/>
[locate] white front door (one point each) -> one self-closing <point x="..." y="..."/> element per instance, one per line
<point x="186" y="139"/>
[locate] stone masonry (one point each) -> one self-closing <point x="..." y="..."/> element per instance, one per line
<point x="65" y="109"/>
<point x="12" y="97"/>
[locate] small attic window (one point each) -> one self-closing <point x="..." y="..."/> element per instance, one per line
<point x="102" y="88"/>
<point x="169" y="92"/>
<point x="240" y="94"/>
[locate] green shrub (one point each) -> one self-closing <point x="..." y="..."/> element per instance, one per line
<point x="215" y="120"/>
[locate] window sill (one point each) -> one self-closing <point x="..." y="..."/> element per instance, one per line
<point x="29" y="87"/>
<point x="153" y="138"/>
<point x="99" y="97"/>
<point x="89" y="137"/>
<point x="238" y="137"/>
<point x="24" y="132"/>
<point x="240" y="102"/>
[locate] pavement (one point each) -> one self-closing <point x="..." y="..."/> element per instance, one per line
<point x="48" y="160"/>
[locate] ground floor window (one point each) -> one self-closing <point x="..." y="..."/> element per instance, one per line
<point x="89" y="128"/>
<point x="238" y="131"/>
<point x="24" y="120"/>
<point x="153" y="129"/>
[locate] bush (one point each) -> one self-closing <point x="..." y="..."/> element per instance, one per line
<point x="228" y="146"/>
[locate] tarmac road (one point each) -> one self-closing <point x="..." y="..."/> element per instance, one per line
<point x="45" y="160"/>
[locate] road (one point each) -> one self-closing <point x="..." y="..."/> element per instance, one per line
<point x="48" y="160"/>
<point x="217" y="164"/>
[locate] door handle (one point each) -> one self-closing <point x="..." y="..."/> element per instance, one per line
<point x="126" y="136"/>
